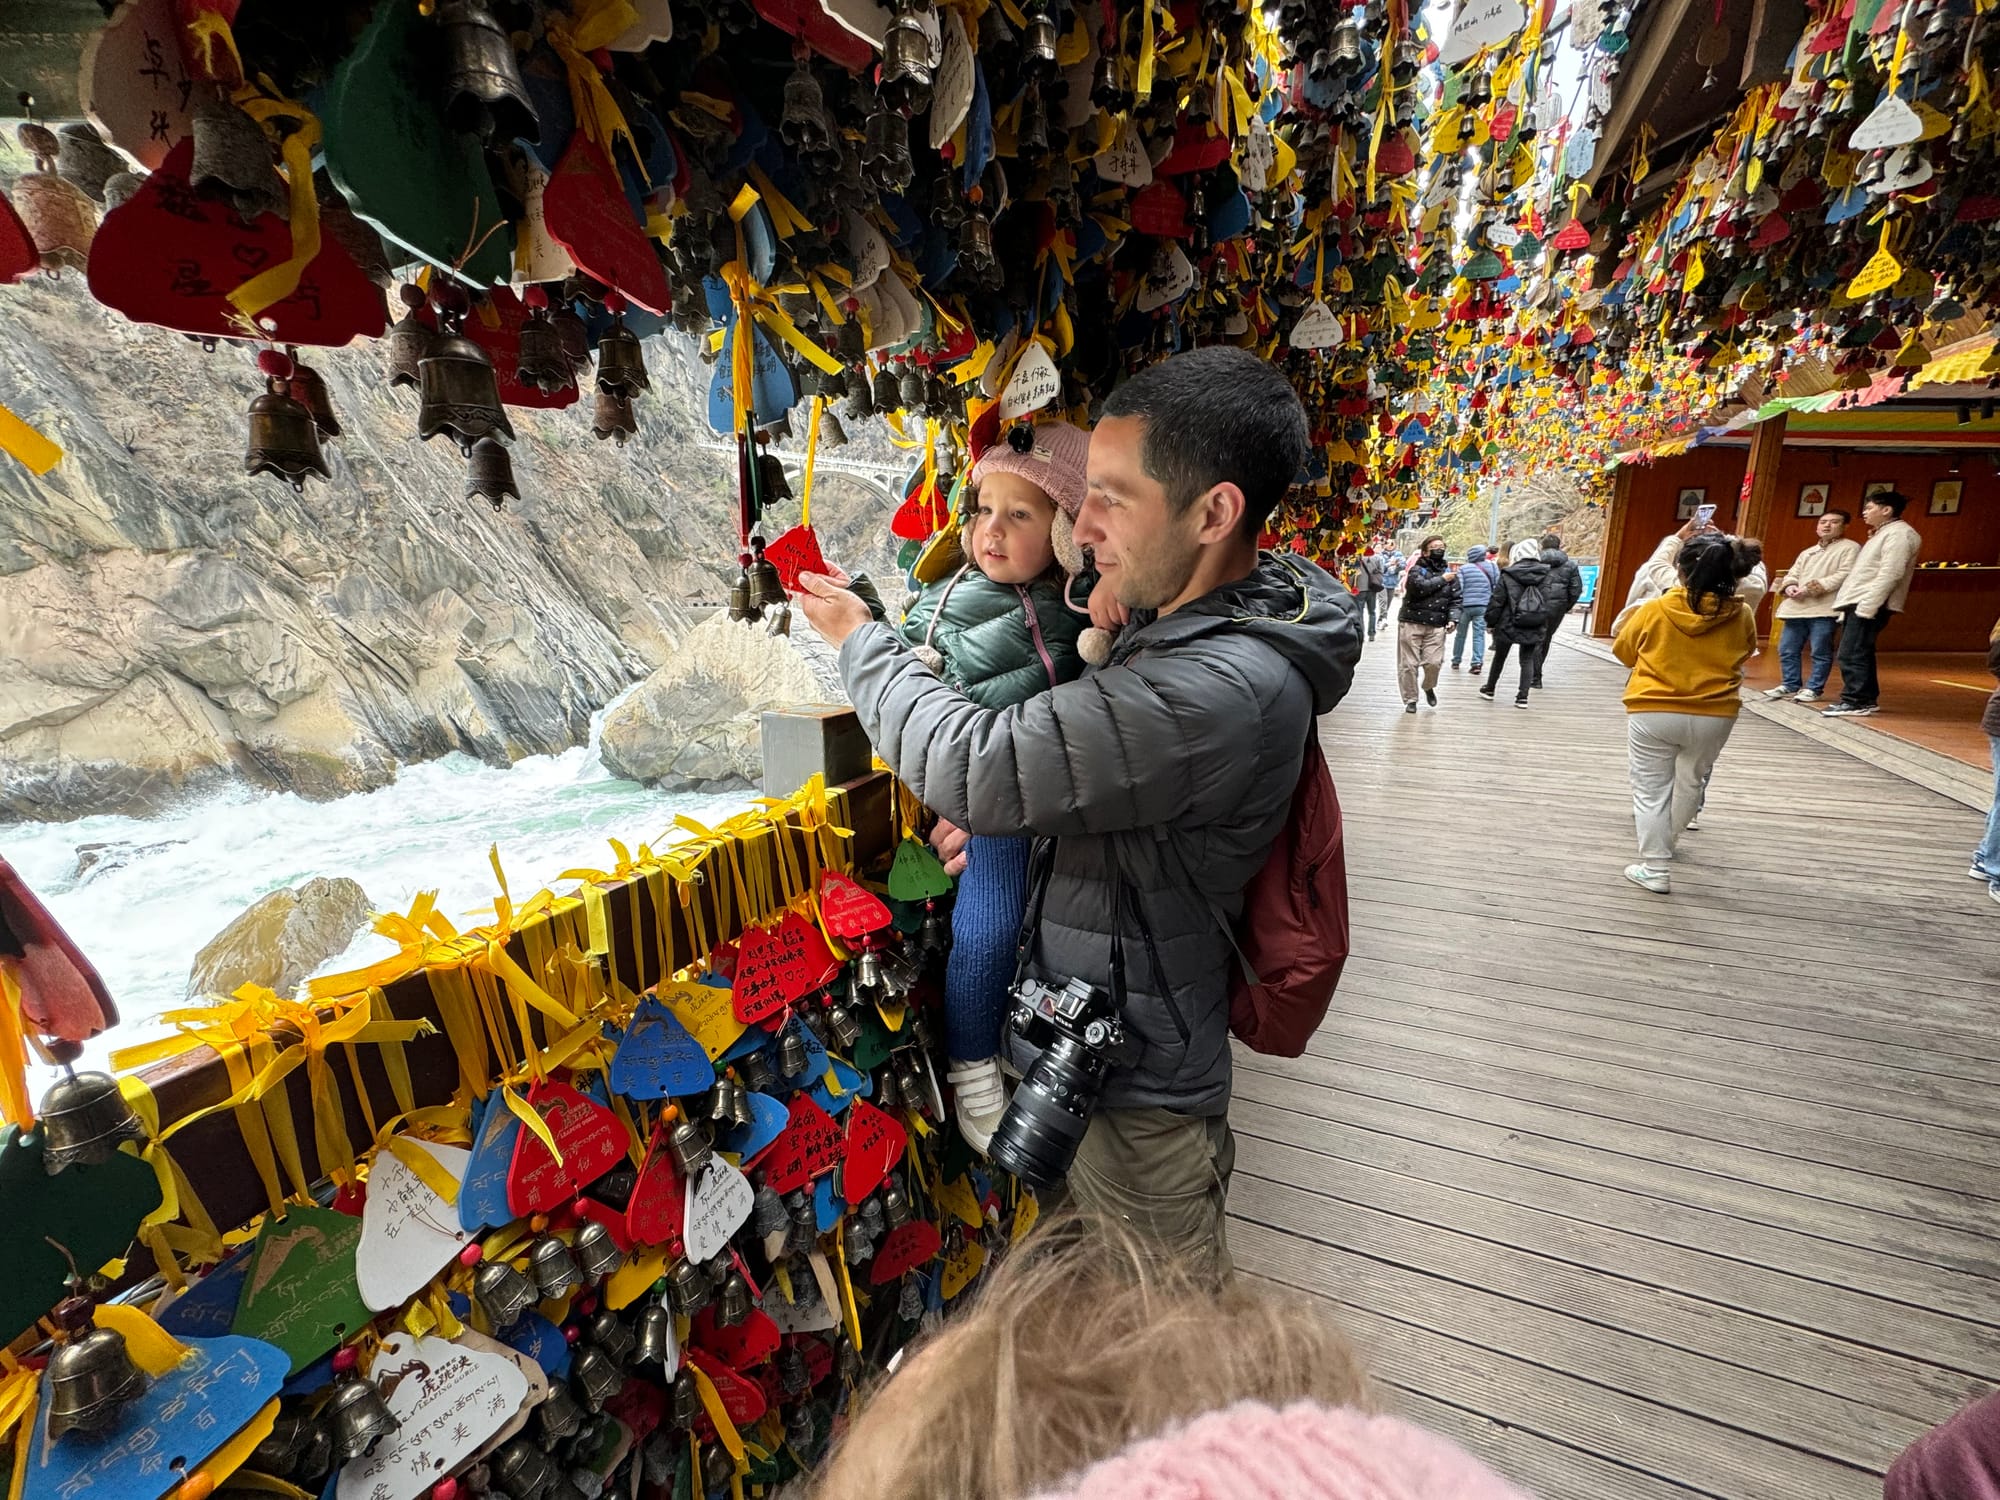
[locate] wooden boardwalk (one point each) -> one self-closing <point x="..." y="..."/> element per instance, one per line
<point x="1637" y="1195"/>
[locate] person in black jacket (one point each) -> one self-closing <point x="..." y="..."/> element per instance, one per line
<point x="1523" y="614"/>
<point x="1568" y="583"/>
<point x="1430" y="594"/>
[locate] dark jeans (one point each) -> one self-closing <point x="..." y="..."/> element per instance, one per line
<point x="1368" y="606"/>
<point x="1799" y="636"/>
<point x="1531" y="663"/>
<point x="1858" y="685"/>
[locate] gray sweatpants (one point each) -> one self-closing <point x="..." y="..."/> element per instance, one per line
<point x="1671" y="756"/>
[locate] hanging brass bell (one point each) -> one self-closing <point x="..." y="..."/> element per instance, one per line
<point x="687" y="1399"/>
<point x="621" y="363"/>
<point x="740" y="1112"/>
<point x="278" y="1453"/>
<point x="1478" y="92"/>
<point x="595" y="1377"/>
<point x="596" y="1252"/>
<point x="975" y="246"/>
<point x="831" y="433"/>
<point x="860" y="394"/>
<point x="895" y="1206"/>
<point x="768" y="589"/>
<point x="1033" y="135"/>
<point x="309" y="390"/>
<point x="558" y="1416"/>
<point x="888" y="392"/>
<point x="613" y="417"/>
<point x="233" y="160"/>
<point x="83" y="1119"/>
<point x="935" y="935"/>
<point x="756" y="1070"/>
<point x="905" y="83"/>
<point x="521" y="1471"/>
<point x="805" y="125"/>
<point x="90" y="1377"/>
<point x="284" y="439"/>
<point x="688" y="1286"/>
<point x="489" y="474"/>
<point x="840" y="1021"/>
<point x="552" y="1267"/>
<point x="691" y="1147"/>
<point x="460" y="393"/>
<point x="656" y="1335"/>
<point x="408" y="340"/>
<point x="483" y="91"/>
<point x="1039" y="41"/>
<point x="1409" y="60"/>
<point x="773" y="487"/>
<point x="542" y="363"/>
<point x="867" y="982"/>
<point x="359" y="1417"/>
<point x="899" y="975"/>
<point x="793" y="1058"/>
<point x="741" y="605"/>
<point x="885" y="150"/>
<point x="58" y="215"/>
<point x="717" y="1469"/>
<point x="910" y="388"/>
<point x="887" y="1094"/>
<point x="502" y="1293"/>
<point x="82" y="158"/>
<point x="575" y="336"/>
<point x="720" y="1111"/>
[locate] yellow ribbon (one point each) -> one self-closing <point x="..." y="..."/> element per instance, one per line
<point x="208" y="28"/>
<point x="36" y="452"/>
<point x="593" y="24"/>
<point x="280" y="281"/>
<point x="16" y="1108"/>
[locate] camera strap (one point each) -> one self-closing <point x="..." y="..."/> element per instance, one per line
<point x="1042" y="864"/>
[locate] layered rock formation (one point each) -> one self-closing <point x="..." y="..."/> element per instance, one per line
<point x="167" y="623"/>
<point x="282" y="938"/>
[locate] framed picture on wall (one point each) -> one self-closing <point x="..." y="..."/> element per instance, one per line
<point x="1875" y="487"/>
<point x="1812" y="499"/>
<point x="1690" y="498"/>
<point x="1945" y="495"/>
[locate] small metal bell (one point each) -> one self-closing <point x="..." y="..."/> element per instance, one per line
<point x="899" y="975"/>
<point x="558" y="1416"/>
<point x="896" y="1206"/>
<point x="610" y="1333"/>
<point x="885" y="150"/>
<point x="1033" y="135"/>
<point x="90" y="1377"/>
<point x="359" y="1417"/>
<point x="888" y="391"/>
<point x="741" y="605"/>
<point x="717" y="1469"/>
<point x="735" y="1306"/>
<point x="460" y="393"/>
<point x="805" y="125"/>
<point x="596" y="1252"/>
<point x="595" y="1377"/>
<point x="521" y="1471"/>
<point x="621" y="363"/>
<point x="1345" y="53"/>
<point x="279" y="1452"/>
<point x="409" y="340"/>
<point x="687" y="1399"/>
<point x="975" y="246"/>
<point x="911" y="389"/>
<point x="846" y="1030"/>
<point x="721" y="1110"/>
<point x="553" y="1269"/>
<point x="767" y="588"/>
<point x="935" y="935"/>
<point x="543" y="364"/>
<point x="1478" y="91"/>
<point x="793" y="1376"/>
<point x="831" y="433"/>
<point x="284" y="439"/>
<point x="84" y="159"/>
<point x="613" y="417"/>
<point x="484" y="94"/>
<point x="1039" y="40"/>
<point x="489" y="474"/>
<point x="83" y="1119"/>
<point x="232" y="160"/>
<point x="502" y="1293"/>
<point x="773" y="488"/>
<point x="315" y="1459"/>
<point x="792" y="1056"/>
<point x="691" y="1147"/>
<point x="906" y="78"/>
<point x="756" y="1070"/>
<point x="656" y="1335"/>
<point x="887" y="1094"/>
<point x="867" y="982"/>
<point x="688" y="1286"/>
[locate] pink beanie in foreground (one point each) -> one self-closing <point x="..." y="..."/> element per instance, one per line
<point x="1251" y="1451"/>
<point x="1055" y="465"/>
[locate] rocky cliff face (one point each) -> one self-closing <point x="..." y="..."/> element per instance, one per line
<point x="167" y="623"/>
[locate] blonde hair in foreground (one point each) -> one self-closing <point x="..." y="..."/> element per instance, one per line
<point x="1080" y="1344"/>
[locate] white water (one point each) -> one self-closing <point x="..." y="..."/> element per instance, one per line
<point x="142" y="922"/>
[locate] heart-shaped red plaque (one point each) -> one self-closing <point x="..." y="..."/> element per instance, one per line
<point x="659" y="1199"/>
<point x="848" y="909"/>
<point x="874" y="1145"/>
<point x="809" y="1147"/>
<point x="171" y="257"/>
<point x="585" y="209"/>
<point x="777" y="965"/>
<point x="742" y="1398"/>
<point x="904" y="1249"/>
<point x="743" y="1347"/>
<point x="590" y="1137"/>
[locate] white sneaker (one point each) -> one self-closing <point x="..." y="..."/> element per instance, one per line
<point x="1653" y="880"/>
<point x="979" y="1098"/>
<point x="1780" y="692"/>
<point x="1975" y="873"/>
<point x="1808" y="696"/>
<point x="1693" y="824"/>
<point x="1993" y="890"/>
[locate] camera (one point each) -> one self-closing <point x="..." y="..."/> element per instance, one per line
<point x="1082" y="1038"/>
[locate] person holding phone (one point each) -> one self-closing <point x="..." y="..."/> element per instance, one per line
<point x="1657" y="573"/>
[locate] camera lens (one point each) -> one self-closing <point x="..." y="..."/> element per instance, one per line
<point x="1037" y="1138"/>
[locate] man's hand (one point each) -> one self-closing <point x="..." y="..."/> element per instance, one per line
<point x="1106" y="613"/>
<point x="950" y="840"/>
<point x="835" y="612"/>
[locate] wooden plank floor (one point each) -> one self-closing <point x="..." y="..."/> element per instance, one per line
<point x="1635" y="1195"/>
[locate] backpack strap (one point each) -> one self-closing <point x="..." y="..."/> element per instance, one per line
<point x="1043" y="863"/>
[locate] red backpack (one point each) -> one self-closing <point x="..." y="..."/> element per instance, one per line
<point x="1292" y="937"/>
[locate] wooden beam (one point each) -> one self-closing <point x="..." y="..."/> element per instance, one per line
<point x="1611" y="583"/>
<point x="1635" y="83"/>
<point x="1767" y="451"/>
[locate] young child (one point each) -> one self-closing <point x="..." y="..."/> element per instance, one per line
<point x="1000" y="630"/>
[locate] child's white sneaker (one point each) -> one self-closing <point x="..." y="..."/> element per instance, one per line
<point x="979" y="1098"/>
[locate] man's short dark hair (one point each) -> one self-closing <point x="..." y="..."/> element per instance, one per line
<point x="1217" y="416"/>
<point x="1846" y="517"/>
<point x="1551" y="539"/>
<point x="1894" y="499"/>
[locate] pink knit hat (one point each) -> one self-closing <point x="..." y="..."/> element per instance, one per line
<point x="1055" y="465"/>
<point x="1251" y="1451"/>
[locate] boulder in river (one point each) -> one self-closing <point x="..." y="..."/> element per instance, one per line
<point x="696" y="723"/>
<point x="282" y="938"/>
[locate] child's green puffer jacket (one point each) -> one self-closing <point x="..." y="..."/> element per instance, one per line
<point x="982" y="629"/>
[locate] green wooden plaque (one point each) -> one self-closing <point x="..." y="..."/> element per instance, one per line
<point x="299" y="1292"/>
<point x="95" y="1211"/>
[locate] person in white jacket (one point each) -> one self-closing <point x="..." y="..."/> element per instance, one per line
<point x="1876" y="589"/>
<point x="1658" y="573"/>
<point x="1805" y="608"/>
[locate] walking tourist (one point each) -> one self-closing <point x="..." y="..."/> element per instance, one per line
<point x="1476" y="582"/>
<point x="1568" y="580"/>
<point x="1986" y="858"/>
<point x="1875" y="591"/>
<point x="1085" y="1370"/>
<point x="1805" y="608"/>
<point x="1365" y="578"/>
<point x="1522" y="616"/>
<point x="998" y="630"/>
<point x="1430" y="594"/>
<point x="1686" y="650"/>
<point x="1161" y="777"/>
<point x="1393" y="568"/>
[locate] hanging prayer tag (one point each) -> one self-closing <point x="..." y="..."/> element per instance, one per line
<point x="875" y="1143"/>
<point x="658" y="1057"/>
<point x="848" y="909"/>
<point x="300" y="1292"/>
<point x="916" y="874"/>
<point x="447" y="1398"/>
<point x="1318" y="327"/>
<point x="809" y="1147"/>
<point x="1890" y="123"/>
<point x="1033" y="385"/>
<point x="778" y="965"/>
<point x="590" y="1137"/>
<point x="705" y="1010"/>
<point x="1125" y="159"/>
<point x="482" y="1192"/>
<point x="904" y="1249"/>
<point x="408" y="1233"/>
<point x="717" y="1207"/>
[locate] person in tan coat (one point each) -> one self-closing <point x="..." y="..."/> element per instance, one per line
<point x="1874" y="592"/>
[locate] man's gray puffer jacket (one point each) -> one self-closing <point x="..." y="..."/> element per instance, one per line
<point x="1177" y="759"/>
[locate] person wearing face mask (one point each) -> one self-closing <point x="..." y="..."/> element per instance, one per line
<point x="1430" y="595"/>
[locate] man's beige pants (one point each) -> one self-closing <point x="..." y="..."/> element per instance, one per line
<point x="1419" y="646"/>
<point x="1162" y="1175"/>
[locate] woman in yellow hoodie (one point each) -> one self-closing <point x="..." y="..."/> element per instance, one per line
<point x="1686" y="650"/>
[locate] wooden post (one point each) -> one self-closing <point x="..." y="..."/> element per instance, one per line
<point x="1767" y="450"/>
<point x="1611" y="582"/>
